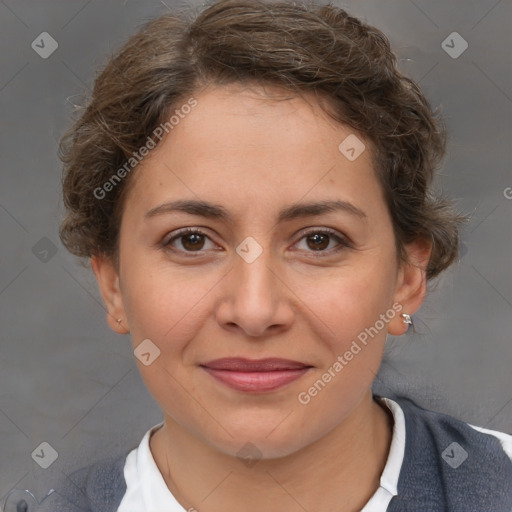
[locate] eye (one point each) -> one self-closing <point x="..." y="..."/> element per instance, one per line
<point x="318" y="240"/>
<point x="190" y="239"/>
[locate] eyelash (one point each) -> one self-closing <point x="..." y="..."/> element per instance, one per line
<point x="343" y="243"/>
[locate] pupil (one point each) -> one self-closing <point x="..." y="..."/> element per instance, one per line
<point x="319" y="238"/>
<point x="195" y="240"/>
<point x="320" y="241"/>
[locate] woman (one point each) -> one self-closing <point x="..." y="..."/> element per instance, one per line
<point x="253" y="190"/>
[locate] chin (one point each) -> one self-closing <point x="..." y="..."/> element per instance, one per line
<point x="251" y="444"/>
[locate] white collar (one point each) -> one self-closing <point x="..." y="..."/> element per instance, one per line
<point x="147" y="490"/>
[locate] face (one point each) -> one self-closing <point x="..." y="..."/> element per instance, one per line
<point x="257" y="283"/>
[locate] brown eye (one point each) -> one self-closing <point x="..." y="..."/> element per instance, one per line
<point x="319" y="241"/>
<point x="190" y="240"/>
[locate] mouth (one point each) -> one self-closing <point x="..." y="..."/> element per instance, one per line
<point x="258" y="376"/>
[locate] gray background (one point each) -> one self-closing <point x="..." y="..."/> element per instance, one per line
<point x="66" y="379"/>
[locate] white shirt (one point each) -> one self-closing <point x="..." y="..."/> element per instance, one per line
<point x="146" y="490"/>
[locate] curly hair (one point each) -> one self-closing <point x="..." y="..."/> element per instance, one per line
<point x="303" y="47"/>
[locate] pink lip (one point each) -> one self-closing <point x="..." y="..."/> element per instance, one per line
<point x="255" y="375"/>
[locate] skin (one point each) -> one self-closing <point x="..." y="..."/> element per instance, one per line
<point x="252" y="154"/>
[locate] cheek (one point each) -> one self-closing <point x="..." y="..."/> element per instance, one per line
<point x="352" y="322"/>
<point x="164" y="304"/>
<point x="165" y="310"/>
<point x="351" y="298"/>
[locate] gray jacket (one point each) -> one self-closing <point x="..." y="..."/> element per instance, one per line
<point x="432" y="477"/>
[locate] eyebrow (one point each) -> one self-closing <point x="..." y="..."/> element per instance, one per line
<point x="216" y="211"/>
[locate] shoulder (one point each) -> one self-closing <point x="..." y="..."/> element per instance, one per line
<point x="504" y="439"/>
<point x="451" y="465"/>
<point x="444" y="427"/>
<point x="98" y="487"/>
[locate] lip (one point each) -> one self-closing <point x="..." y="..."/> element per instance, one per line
<point x="251" y="375"/>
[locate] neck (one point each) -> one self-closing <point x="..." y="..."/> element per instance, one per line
<point x="340" y="471"/>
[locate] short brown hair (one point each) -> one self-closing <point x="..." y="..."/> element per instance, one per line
<point x="303" y="47"/>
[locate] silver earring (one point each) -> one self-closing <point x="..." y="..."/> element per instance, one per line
<point x="406" y="319"/>
<point x="119" y="322"/>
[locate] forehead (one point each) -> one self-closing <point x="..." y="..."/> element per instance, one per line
<point x="255" y="144"/>
<point x="241" y="117"/>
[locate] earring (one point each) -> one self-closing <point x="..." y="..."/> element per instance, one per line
<point x="406" y="319"/>
<point x="119" y="324"/>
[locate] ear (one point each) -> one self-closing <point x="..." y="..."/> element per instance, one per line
<point x="411" y="283"/>
<point x="108" y="281"/>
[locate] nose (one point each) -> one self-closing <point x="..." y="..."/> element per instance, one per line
<point x="256" y="298"/>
